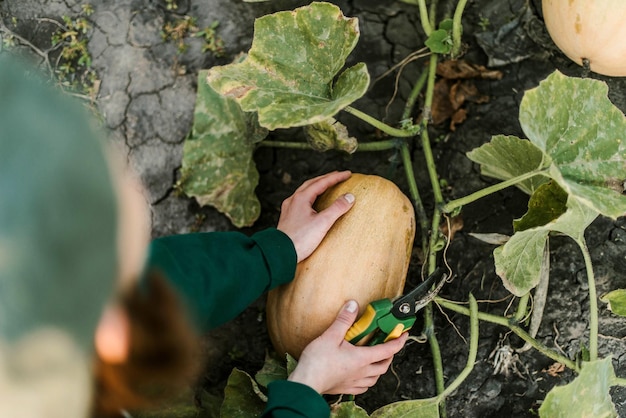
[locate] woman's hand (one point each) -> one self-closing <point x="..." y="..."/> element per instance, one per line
<point x="332" y="365"/>
<point x="302" y="223"/>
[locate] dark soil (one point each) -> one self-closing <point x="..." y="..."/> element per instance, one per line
<point x="506" y="35"/>
<point x="529" y="59"/>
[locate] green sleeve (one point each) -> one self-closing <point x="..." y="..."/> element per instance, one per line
<point x="218" y="274"/>
<point x="294" y="400"/>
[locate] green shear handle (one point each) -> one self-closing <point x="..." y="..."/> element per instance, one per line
<point x="385" y="320"/>
<point x="378" y="325"/>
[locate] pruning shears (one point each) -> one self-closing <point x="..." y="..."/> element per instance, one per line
<point x="385" y="320"/>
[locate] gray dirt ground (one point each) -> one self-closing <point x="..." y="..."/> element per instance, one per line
<point x="146" y="97"/>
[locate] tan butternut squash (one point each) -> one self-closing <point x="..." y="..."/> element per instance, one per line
<point x="591" y="30"/>
<point x="365" y="256"/>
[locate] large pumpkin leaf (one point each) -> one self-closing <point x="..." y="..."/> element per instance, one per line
<point x="506" y="157"/>
<point x="273" y="369"/>
<point x="519" y="261"/>
<point x="587" y="396"/>
<point x="242" y="397"/>
<point x="289" y="74"/>
<point x="348" y="410"/>
<point x="573" y="121"/>
<point x="418" y="408"/>
<point x="218" y="167"/>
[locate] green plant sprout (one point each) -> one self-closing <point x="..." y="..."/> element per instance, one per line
<point x="182" y="28"/>
<point x="212" y="41"/>
<point x="171" y="4"/>
<point x="68" y="60"/>
<point x="572" y="165"/>
<point x="73" y="64"/>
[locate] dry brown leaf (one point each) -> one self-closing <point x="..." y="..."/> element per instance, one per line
<point x="555" y="369"/>
<point x="441" y="109"/>
<point x="454" y="89"/>
<point x="457" y="118"/>
<point x="465" y="90"/>
<point x="455" y="225"/>
<point x="456" y="69"/>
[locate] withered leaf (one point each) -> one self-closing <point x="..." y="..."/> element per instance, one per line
<point x="455" y="69"/>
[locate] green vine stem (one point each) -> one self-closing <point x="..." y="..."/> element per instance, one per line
<point x="522" y="308"/>
<point x="400" y="133"/>
<point x="593" y="301"/>
<point x="422" y="218"/>
<point x="429" y="331"/>
<point x="434" y="232"/>
<point x="499" y="320"/>
<point x="473" y="348"/>
<point x="457" y="203"/>
<point x="415" y="195"/>
<point x="285" y="144"/>
<point x="433" y="13"/>
<point x="415" y="92"/>
<point x="457" y="28"/>
<point x="363" y="146"/>
<point x="430" y="160"/>
<point x="426" y="25"/>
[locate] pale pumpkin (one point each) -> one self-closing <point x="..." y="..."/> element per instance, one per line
<point x="365" y="256"/>
<point x="592" y="30"/>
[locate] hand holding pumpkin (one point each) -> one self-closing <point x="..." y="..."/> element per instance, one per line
<point x="302" y="223"/>
<point x="331" y="365"/>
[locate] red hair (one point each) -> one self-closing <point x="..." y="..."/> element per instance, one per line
<point x="163" y="357"/>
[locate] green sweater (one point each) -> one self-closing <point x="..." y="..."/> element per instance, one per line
<point x="218" y="274"/>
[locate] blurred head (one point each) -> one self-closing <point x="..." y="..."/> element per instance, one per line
<point x="58" y="252"/>
<point x="74" y="228"/>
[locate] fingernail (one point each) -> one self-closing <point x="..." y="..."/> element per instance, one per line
<point x="351" y="306"/>
<point x="349" y="197"/>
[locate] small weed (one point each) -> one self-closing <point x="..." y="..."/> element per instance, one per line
<point x="73" y="64"/>
<point x="181" y="29"/>
<point x="484" y="23"/>
<point x="8" y="41"/>
<point x="171" y="4"/>
<point x="87" y="9"/>
<point x="67" y="59"/>
<point x="212" y="42"/>
<point x="178" y="31"/>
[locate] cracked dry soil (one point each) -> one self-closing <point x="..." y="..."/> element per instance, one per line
<point x="146" y="97"/>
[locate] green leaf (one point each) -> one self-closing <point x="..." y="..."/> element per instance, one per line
<point x="242" y="397"/>
<point x="545" y="205"/>
<point x="218" y="168"/>
<point x="330" y="134"/>
<point x="439" y="42"/>
<point x="446" y="24"/>
<point x="348" y="410"/>
<point x="291" y="364"/>
<point x="586" y="396"/>
<point x="573" y="121"/>
<point x="288" y="75"/>
<point x="418" y="408"/>
<point x="506" y="157"/>
<point x="519" y="261"/>
<point x="617" y="301"/>
<point x="273" y="369"/>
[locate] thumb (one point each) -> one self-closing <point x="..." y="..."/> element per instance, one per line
<point x="338" y="208"/>
<point x="344" y="320"/>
